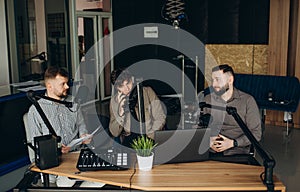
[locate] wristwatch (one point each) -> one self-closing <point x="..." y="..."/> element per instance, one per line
<point x="235" y="143"/>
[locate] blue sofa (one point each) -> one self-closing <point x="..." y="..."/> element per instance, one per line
<point x="271" y="92"/>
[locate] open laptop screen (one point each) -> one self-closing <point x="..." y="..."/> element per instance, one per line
<point x="179" y="146"/>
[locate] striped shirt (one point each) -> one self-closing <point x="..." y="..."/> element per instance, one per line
<point x="67" y="122"/>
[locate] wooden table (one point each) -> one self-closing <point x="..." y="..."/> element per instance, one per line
<point x="197" y="176"/>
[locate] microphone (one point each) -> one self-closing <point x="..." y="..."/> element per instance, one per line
<point x="202" y="105"/>
<point x="30" y="94"/>
<point x="205" y="120"/>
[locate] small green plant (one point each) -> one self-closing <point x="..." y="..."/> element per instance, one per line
<point x="143" y="145"/>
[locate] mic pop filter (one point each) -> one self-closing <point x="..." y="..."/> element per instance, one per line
<point x="205" y="120"/>
<point x="30" y="94"/>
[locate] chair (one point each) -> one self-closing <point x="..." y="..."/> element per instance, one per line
<point x="272" y="92"/>
<point x="31" y="152"/>
<point x="60" y="181"/>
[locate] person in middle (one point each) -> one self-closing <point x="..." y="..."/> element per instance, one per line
<point x="124" y="119"/>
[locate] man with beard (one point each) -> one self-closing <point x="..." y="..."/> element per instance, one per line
<point x="68" y="123"/>
<point x="227" y="137"/>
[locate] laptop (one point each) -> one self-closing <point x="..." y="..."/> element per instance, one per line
<point x="180" y="146"/>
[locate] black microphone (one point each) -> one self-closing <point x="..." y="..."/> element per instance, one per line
<point x="202" y="105"/>
<point x="30" y="94"/>
<point x="205" y="120"/>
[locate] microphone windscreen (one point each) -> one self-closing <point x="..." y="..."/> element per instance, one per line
<point x="205" y="120"/>
<point x="202" y="104"/>
<point x="30" y="94"/>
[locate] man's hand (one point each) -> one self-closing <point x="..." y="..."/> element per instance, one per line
<point x="65" y="149"/>
<point x="220" y="143"/>
<point x="88" y="140"/>
<point x="121" y="101"/>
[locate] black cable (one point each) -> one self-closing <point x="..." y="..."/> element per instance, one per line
<point x="73" y="111"/>
<point x="262" y="176"/>
<point x="134" y="171"/>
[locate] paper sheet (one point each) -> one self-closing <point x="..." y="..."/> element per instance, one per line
<point x="82" y="139"/>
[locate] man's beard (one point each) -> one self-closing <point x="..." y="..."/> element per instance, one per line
<point x="222" y="90"/>
<point x="63" y="95"/>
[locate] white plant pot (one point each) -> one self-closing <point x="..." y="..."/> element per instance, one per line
<point x="145" y="163"/>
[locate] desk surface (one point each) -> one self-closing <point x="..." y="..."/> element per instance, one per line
<point x="200" y="176"/>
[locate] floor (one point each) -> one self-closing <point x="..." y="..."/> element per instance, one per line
<point x="283" y="148"/>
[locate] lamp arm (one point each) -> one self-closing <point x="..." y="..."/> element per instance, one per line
<point x="66" y="103"/>
<point x="141" y="108"/>
<point x="32" y="97"/>
<point x="269" y="162"/>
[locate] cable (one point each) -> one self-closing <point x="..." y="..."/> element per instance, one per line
<point x="134" y="171"/>
<point x="262" y="176"/>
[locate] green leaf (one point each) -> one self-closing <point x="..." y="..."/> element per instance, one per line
<point x="143" y="145"/>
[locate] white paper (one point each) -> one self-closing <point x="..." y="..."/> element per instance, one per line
<point x="82" y="139"/>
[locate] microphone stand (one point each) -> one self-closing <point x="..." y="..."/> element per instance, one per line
<point x="268" y="161"/>
<point x="33" y="98"/>
<point x="66" y="103"/>
<point x="141" y="108"/>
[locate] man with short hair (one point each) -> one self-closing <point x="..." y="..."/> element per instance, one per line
<point x="124" y="122"/>
<point x="227" y="137"/>
<point x="68" y="123"/>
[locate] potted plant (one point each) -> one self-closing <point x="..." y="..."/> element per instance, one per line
<point x="144" y="151"/>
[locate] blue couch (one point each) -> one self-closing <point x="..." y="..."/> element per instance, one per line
<point x="271" y="92"/>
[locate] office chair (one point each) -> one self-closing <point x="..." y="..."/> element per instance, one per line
<point x="65" y="182"/>
<point x="28" y="138"/>
<point x="31" y="152"/>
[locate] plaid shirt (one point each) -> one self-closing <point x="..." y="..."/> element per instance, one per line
<point x="67" y="122"/>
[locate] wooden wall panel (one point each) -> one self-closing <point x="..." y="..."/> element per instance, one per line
<point x="280" y="57"/>
<point x="294" y="59"/>
<point x="278" y="36"/>
<point x="279" y="51"/>
<point x="248" y="59"/>
<point x="296" y="116"/>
